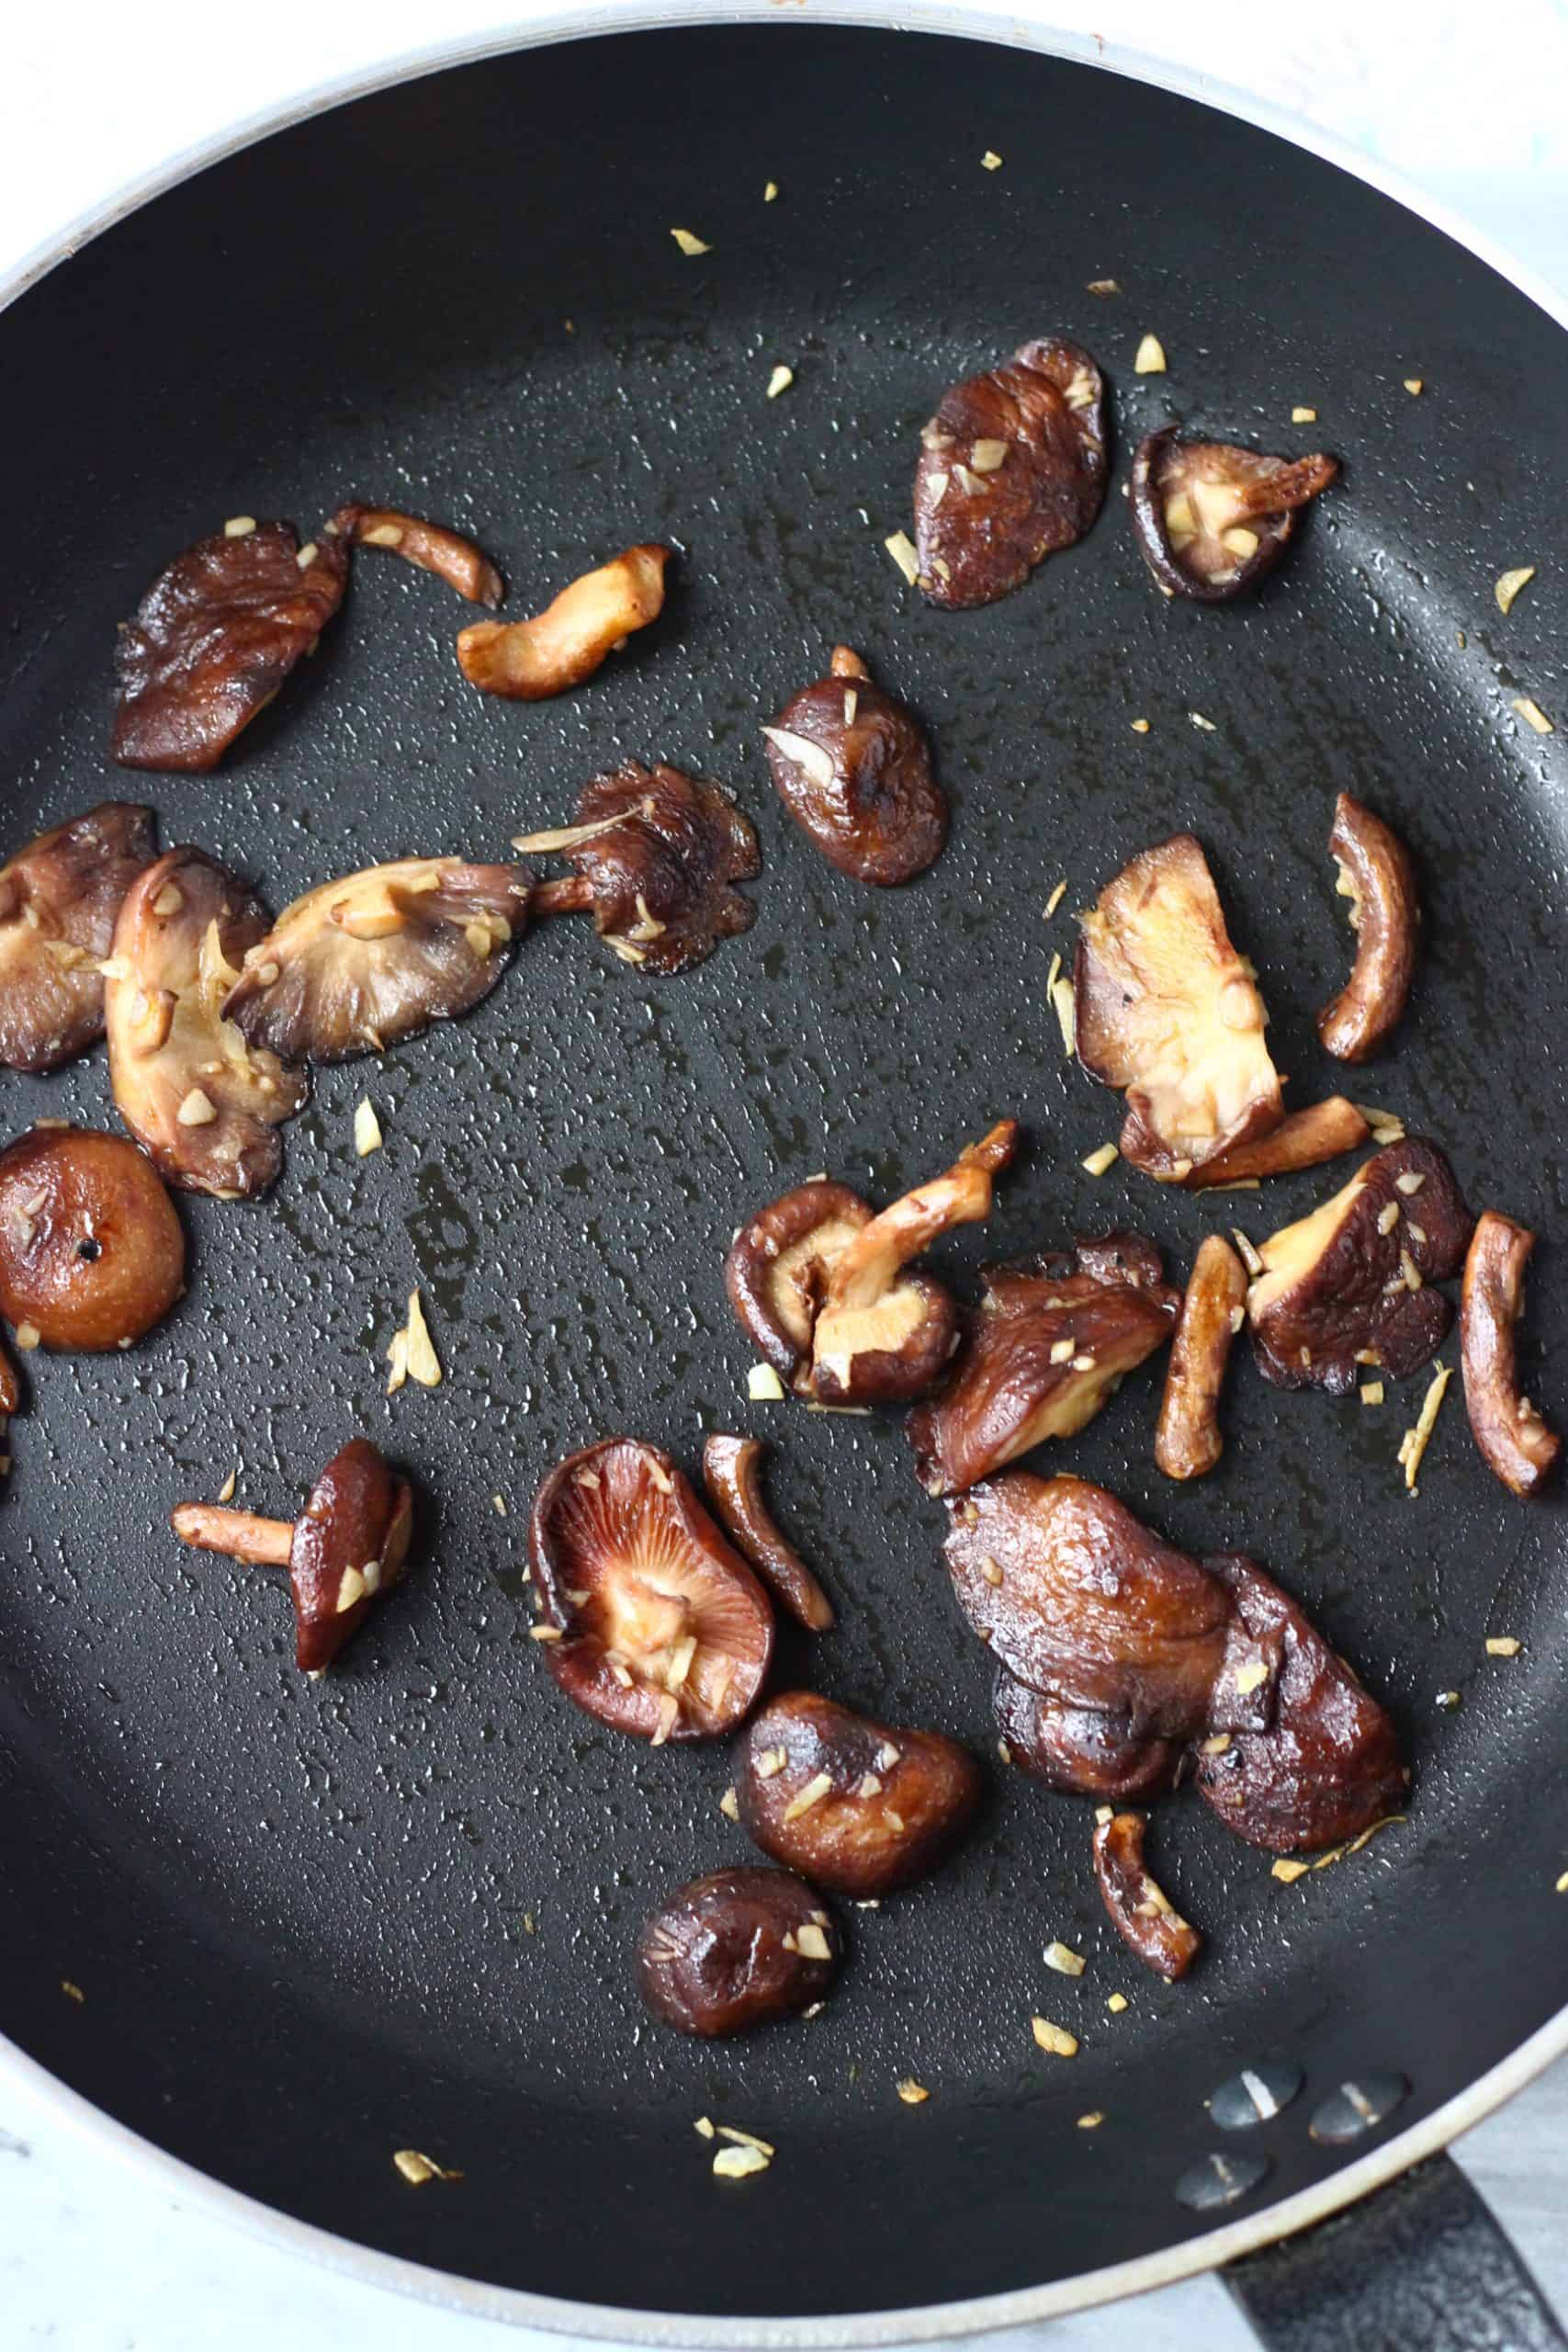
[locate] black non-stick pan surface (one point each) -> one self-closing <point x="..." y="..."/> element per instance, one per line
<point x="314" y="1924"/>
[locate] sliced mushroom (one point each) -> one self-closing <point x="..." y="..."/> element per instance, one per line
<point x="1080" y="1600"/>
<point x="1350" y="1285"/>
<point x="1377" y="877"/>
<point x="347" y="1548"/>
<point x="359" y="964"/>
<point x="858" y="1805"/>
<point x="1211" y="519"/>
<point x="429" y="545"/>
<point x="201" y="1100"/>
<point x="776" y="1271"/>
<point x="661" y="1630"/>
<point x="656" y="852"/>
<point x="1054" y="1338"/>
<point x="854" y="768"/>
<point x="1167" y="1012"/>
<point x="1012" y="468"/>
<point x="1187" y="1441"/>
<point x="59" y="899"/>
<point x="1329" y="1764"/>
<point x="1084" y="1750"/>
<point x="214" y="639"/>
<point x="1141" y="1912"/>
<point x="1516" y="1440"/>
<point x="1303" y="1138"/>
<point x="90" y="1251"/>
<point x="731" y="1473"/>
<point x="559" y="647"/>
<point x="735" y="1949"/>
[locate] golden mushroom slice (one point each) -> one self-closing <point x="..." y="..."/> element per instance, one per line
<point x="199" y="1099"/>
<point x="361" y="962"/>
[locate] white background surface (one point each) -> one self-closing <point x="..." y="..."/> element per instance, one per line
<point x="1470" y="104"/>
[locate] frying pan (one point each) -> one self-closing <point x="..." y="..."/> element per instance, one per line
<point x="313" y="1924"/>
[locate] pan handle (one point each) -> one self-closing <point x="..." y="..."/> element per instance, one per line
<point x="1420" y="2267"/>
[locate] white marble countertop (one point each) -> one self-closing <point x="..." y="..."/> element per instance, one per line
<point x="1471" y="105"/>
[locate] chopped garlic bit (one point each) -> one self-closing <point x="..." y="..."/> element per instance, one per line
<point x="1371" y="1392"/>
<point x="704" y="2127"/>
<point x="1531" y="711"/>
<point x="912" y="2093"/>
<point x="367" y="1127"/>
<point x="1304" y="416"/>
<point x="1415" y="386"/>
<point x="1414" y="1443"/>
<point x="1099" y="1162"/>
<point x="1140" y="726"/>
<point x="1150" y="360"/>
<point x="412" y="1353"/>
<point x="1092" y="2121"/>
<point x="1102" y="286"/>
<point x="1116" y="2004"/>
<point x="1508" y="584"/>
<point x="1199" y="720"/>
<point x="1563" y="1883"/>
<point x="226" y="1491"/>
<point x="764" y="1384"/>
<point x="1053" y="2038"/>
<point x="1288" y="1872"/>
<point x="1055" y="900"/>
<point x="730" y="1805"/>
<point x="1063" y="1960"/>
<point x="736" y="2164"/>
<point x="417" y="2169"/>
<point x="990" y="161"/>
<point x="689" y="244"/>
<point x="1503" y="1645"/>
<point x="1064" y="1004"/>
<point x="780" y="381"/>
<point x="901" y="548"/>
<point x="770" y="193"/>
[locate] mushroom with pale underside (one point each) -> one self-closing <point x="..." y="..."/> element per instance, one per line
<point x="1212" y="520"/>
<point x="854" y="768"/>
<point x="430" y="545"/>
<point x="573" y="636"/>
<point x="1377" y="877"/>
<point x="1515" y="1440"/>
<point x="201" y="1100"/>
<point x="345" y="1550"/>
<point x="59" y="900"/>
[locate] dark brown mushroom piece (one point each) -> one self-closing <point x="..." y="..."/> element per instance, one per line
<point x="1169" y="1014"/>
<point x="1012" y="468"/>
<point x="1377" y="877"/>
<point x="650" y="1620"/>
<point x="1349" y="1285"/>
<point x="1212" y="520"/>
<point x="1054" y="1338"/>
<point x="854" y="768"/>
<point x="345" y="1550"/>
<point x="59" y="899"/>
<point x="1329" y="1764"/>
<point x="1141" y="1912"/>
<point x="732" y="1475"/>
<point x="202" y="1102"/>
<point x="1515" y="1440"/>
<point x="561" y="646"/>
<point x="656" y="854"/>
<point x="359" y="964"/>
<point x="777" y="1268"/>
<point x="431" y="546"/>
<point x="1188" y="1440"/>
<point x="1076" y="1599"/>
<point x="860" y="1806"/>
<point x="214" y="639"/>
<point x="1084" y="1750"/>
<point x="92" y="1254"/>
<point x="735" y="1950"/>
<point x="1303" y="1138"/>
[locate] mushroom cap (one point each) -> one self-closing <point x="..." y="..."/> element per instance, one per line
<point x="199" y="1098"/>
<point x="854" y="768"/>
<point x="350" y="1545"/>
<point x="777" y="1269"/>
<point x="364" y="961"/>
<point x="59" y="899"/>
<point x="860" y="1806"/>
<point x="665" y="1632"/>
<point x="661" y="881"/>
<point x="1084" y="1750"/>
<point x="92" y="1253"/>
<point x="1013" y="468"/>
<point x="1211" y="519"/>
<point x="214" y="639"/>
<point x="721" y="1955"/>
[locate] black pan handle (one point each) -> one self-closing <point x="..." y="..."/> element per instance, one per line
<point x="1421" y="2266"/>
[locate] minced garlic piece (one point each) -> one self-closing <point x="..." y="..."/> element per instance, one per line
<point x="1116" y="2004"/>
<point x="1503" y="1645"/>
<point x="1140" y="726"/>
<point x="1304" y="416"/>
<point x="412" y="1353"/>
<point x="1371" y="1392"/>
<point x="1053" y="2038"/>
<point x="1563" y="1883"/>
<point x="1508" y="584"/>
<point x="1415" y="1442"/>
<point x="1055" y="900"/>
<point x="689" y="244"/>
<point x="1206" y="725"/>
<point x="1415" y="386"/>
<point x="226" y="1491"/>
<point x="1150" y="360"/>
<point x="417" y="2169"/>
<point x="1288" y="1872"/>
<point x="913" y="2094"/>
<point x="1099" y="1162"/>
<point x="1064" y="1003"/>
<point x="736" y="2164"/>
<point x="1531" y="711"/>
<point x="770" y="192"/>
<point x="764" y="1384"/>
<point x="990" y="161"/>
<point x="901" y="548"/>
<point x="367" y="1127"/>
<point x="780" y="381"/>
<point x="1063" y="1960"/>
<point x="1092" y="2121"/>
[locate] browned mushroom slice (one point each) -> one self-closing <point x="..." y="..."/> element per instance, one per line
<point x="1377" y="877"/>
<point x="1084" y="1750"/>
<point x="1211" y="519"/>
<point x="884" y="1335"/>
<point x="1011" y="470"/>
<point x="776" y="1271"/>
<point x="731" y="1475"/>
<point x="656" y="854"/>
<point x="735" y="1949"/>
<point x="1329" y="1764"/>
<point x="855" y="771"/>
<point x="347" y="1548"/>
<point x="59" y="899"/>
<point x="529" y="660"/>
<point x="214" y="639"/>
<point x="1350" y="1285"/>
<point x="1305" y="1139"/>
<point x="451" y="556"/>
<point x="1080" y="1600"/>
<point x="90" y="1251"/>
<point x="1188" y="1443"/>
<point x="1169" y="1012"/>
<point x="1515" y="1440"/>
<point x="1141" y="1912"/>
<point x="360" y="964"/>
<point x="660" y="1628"/>
<point x="859" y="1805"/>
<point x="196" y="1096"/>
<point x="1054" y="1338"/>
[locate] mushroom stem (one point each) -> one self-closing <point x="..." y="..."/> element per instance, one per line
<point x="572" y="896"/>
<point x="243" y="1535"/>
<point x="963" y="1196"/>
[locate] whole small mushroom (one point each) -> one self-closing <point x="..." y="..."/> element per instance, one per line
<point x="345" y="1550"/>
<point x="776" y="1270"/>
<point x="735" y="1949"/>
<point x="1212" y="520"/>
<point x="1377" y="877"/>
<point x="1514" y="1441"/>
<point x="59" y="899"/>
<point x="858" y="1805"/>
<point x="854" y="768"/>
<point x="92" y="1254"/>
